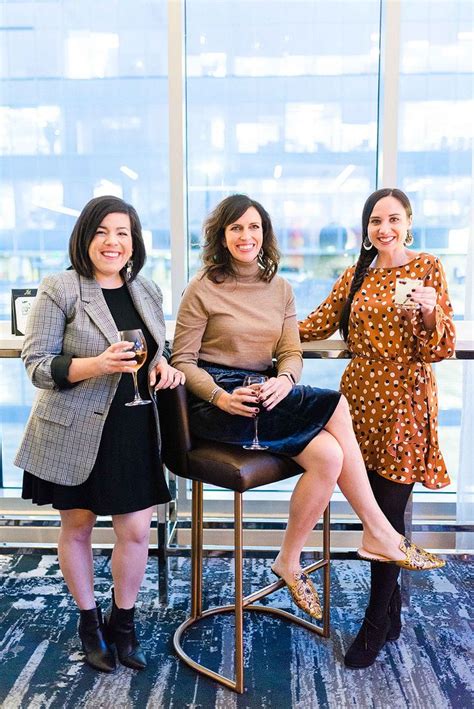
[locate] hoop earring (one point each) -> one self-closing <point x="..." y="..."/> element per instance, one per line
<point x="129" y="269"/>
<point x="409" y="238"/>
<point x="366" y="241"/>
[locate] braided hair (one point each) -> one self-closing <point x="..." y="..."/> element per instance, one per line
<point x="366" y="256"/>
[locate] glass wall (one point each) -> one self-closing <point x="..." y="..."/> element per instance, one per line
<point x="282" y="103"/>
<point x="83" y="112"/>
<point x="283" y="106"/>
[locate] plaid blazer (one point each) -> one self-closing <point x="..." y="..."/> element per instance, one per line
<point x="70" y="316"/>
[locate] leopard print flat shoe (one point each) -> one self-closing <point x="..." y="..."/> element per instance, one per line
<point x="416" y="558"/>
<point x="304" y="594"/>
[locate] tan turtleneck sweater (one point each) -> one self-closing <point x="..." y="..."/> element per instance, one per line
<point x="243" y="322"/>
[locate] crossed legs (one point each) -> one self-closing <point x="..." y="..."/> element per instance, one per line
<point x="333" y="456"/>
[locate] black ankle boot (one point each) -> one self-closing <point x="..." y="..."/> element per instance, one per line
<point x="98" y="653"/>
<point x="119" y="629"/>
<point x="394" y="613"/>
<point x="369" y="641"/>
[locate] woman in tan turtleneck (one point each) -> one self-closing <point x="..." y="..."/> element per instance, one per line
<point x="238" y="317"/>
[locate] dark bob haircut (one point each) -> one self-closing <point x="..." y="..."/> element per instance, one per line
<point x="216" y="259"/>
<point x="85" y="229"/>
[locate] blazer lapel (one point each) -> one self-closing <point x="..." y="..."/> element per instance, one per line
<point x="147" y="308"/>
<point x="96" y="307"/>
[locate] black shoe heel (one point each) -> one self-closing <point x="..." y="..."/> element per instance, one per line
<point x="119" y="629"/>
<point x="97" y="653"/>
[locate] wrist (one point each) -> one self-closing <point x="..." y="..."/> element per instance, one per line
<point x="287" y="375"/>
<point x="215" y="394"/>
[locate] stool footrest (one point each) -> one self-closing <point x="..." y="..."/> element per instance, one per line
<point x="276" y="585"/>
<point x="270" y="610"/>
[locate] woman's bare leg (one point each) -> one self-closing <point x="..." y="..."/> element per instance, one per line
<point x="379" y="537"/>
<point x="322" y="461"/>
<point x="75" y="555"/>
<point x="130" y="554"/>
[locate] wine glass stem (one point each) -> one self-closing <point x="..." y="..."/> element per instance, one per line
<point x="135" y="384"/>
<point x="255" y="424"/>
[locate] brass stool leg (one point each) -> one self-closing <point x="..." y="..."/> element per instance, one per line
<point x="239" y="592"/>
<point x="327" y="570"/>
<point x="196" y="550"/>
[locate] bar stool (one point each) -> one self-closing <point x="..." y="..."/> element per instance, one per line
<point x="239" y="470"/>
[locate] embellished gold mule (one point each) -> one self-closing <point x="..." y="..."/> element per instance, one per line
<point x="304" y="594"/>
<point x="416" y="558"/>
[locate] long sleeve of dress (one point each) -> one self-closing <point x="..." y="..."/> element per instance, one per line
<point x="324" y="320"/>
<point x="437" y="344"/>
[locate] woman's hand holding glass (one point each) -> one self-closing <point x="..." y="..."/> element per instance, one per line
<point x="164" y="376"/>
<point x="116" y="359"/>
<point x="274" y="390"/>
<point x="426" y="297"/>
<point x="243" y="401"/>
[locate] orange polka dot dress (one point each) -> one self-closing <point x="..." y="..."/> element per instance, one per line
<point x="389" y="382"/>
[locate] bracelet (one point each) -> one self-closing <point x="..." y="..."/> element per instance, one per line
<point x="213" y="395"/>
<point x="289" y="375"/>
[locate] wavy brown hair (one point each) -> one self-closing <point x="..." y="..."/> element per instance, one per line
<point x="367" y="256"/>
<point x="216" y="259"/>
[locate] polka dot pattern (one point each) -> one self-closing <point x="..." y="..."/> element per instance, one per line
<point x="389" y="382"/>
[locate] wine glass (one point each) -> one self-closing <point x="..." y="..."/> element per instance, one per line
<point x="255" y="381"/>
<point x="140" y="350"/>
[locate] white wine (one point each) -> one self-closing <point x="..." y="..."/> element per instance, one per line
<point x="140" y="357"/>
<point x="136" y="338"/>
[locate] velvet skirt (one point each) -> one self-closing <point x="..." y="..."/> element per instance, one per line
<point x="287" y="429"/>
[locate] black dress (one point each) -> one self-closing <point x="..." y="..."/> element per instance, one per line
<point x="127" y="475"/>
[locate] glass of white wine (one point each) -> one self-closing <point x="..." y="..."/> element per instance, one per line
<point x="139" y="348"/>
<point x="255" y="381"/>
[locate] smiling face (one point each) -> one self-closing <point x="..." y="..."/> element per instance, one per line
<point x="388" y="225"/>
<point x="244" y="237"/>
<point x="111" y="248"/>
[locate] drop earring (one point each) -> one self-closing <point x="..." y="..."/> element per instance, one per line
<point x="367" y="244"/>
<point x="129" y="269"/>
<point x="409" y="238"/>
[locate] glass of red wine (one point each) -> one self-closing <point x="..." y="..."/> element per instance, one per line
<point x="139" y="349"/>
<point x="255" y="381"/>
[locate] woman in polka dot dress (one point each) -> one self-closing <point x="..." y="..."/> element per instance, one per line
<point x="389" y="382"/>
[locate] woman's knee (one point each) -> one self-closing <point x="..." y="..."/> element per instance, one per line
<point x="324" y="455"/>
<point x="133" y="532"/>
<point x="77" y="525"/>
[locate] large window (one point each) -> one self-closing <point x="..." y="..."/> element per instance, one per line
<point x="282" y="105"/>
<point x="83" y="112"/>
<point x="287" y="108"/>
<point x="283" y="102"/>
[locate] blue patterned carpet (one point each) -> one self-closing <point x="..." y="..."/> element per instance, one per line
<point x="286" y="667"/>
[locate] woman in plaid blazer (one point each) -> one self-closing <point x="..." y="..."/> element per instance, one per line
<point x="83" y="450"/>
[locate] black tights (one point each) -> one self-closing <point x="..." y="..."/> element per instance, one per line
<point x="392" y="499"/>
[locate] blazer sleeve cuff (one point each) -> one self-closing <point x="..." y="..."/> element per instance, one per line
<point x="59" y="371"/>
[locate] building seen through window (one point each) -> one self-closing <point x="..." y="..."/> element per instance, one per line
<point x="283" y="106"/>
